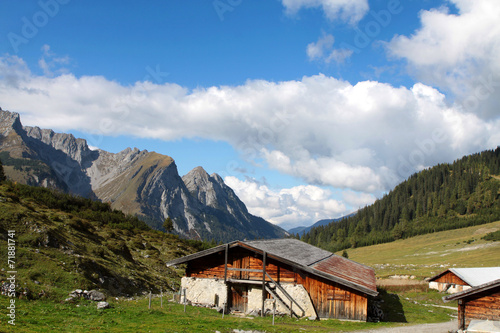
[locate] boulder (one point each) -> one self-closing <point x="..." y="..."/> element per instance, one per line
<point x="97" y="296"/>
<point x="102" y="305"/>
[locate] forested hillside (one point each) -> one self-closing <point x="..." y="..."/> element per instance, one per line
<point x="447" y="196"/>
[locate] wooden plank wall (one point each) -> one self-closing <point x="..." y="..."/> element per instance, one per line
<point x="335" y="301"/>
<point x="331" y="300"/>
<point x="451" y="278"/>
<point x="483" y="307"/>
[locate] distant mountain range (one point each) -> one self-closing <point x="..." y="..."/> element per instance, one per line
<point x="142" y="183"/>
<point x="305" y="230"/>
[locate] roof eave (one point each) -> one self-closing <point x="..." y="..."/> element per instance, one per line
<point x="197" y="255"/>
<point x="439" y="275"/>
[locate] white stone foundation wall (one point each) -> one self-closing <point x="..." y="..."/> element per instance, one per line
<point x="214" y="293"/>
<point x="207" y="292"/>
<point x="297" y="292"/>
<point x="434" y="285"/>
<point x="448" y="288"/>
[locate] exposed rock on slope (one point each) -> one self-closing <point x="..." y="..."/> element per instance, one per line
<point x="225" y="209"/>
<point x="136" y="182"/>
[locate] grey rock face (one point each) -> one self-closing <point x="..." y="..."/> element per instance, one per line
<point x="9" y="122"/>
<point x="137" y="182"/>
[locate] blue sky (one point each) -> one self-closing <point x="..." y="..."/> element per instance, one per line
<point x="309" y="109"/>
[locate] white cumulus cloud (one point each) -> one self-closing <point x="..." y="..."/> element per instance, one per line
<point x="366" y="137"/>
<point x="288" y="207"/>
<point x="457" y="53"/>
<point x="323" y="50"/>
<point x="351" y="11"/>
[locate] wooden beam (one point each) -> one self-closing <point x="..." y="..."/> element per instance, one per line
<point x="254" y="282"/>
<point x="225" y="263"/>
<point x="245" y="270"/>
<point x="264" y="257"/>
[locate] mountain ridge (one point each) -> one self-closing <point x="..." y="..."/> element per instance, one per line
<point x="137" y="182"/>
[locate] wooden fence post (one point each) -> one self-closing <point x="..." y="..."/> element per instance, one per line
<point x="264" y="255"/>
<point x="149" y="307"/>
<point x="274" y="310"/>
<point x="184" y="299"/>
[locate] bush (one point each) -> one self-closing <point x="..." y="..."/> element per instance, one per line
<point x="492" y="236"/>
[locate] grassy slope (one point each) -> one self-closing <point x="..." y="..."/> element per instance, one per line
<point x="134" y="316"/>
<point x="57" y="252"/>
<point x="427" y="255"/>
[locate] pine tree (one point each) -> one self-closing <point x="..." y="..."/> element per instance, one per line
<point x="168" y="225"/>
<point x="2" y="174"/>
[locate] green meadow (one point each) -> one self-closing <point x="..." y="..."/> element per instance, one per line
<point x="128" y="315"/>
<point x="427" y="255"/>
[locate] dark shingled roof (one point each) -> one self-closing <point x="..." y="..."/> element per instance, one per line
<point x="308" y="258"/>
<point x="291" y="249"/>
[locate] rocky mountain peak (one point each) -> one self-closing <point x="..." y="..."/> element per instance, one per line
<point x="217" y="178"/>
<point x="201" y="185"/>
<point x="9" y="122"/>
<point x="196" y="178"/>
<point x="76" y="149"/>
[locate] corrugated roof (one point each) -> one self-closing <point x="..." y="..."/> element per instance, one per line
<point x="478" y="275"/>
<point x="307" y="257"/>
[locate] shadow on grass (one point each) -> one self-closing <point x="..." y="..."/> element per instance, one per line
<point x="391" y="306"/>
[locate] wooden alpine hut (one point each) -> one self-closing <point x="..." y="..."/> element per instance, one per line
<point x="455" y="280"/>
<point x="478" y="307"/>
<point x="294" y="277"/>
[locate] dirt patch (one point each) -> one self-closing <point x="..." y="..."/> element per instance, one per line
<point x="399" y="282"/>
<point x="473" y="247"/>
<point x="485" y="231"/>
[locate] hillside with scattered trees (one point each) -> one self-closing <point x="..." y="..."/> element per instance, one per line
<point x="444" y="197"/>
<point x="65" y="242"/>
